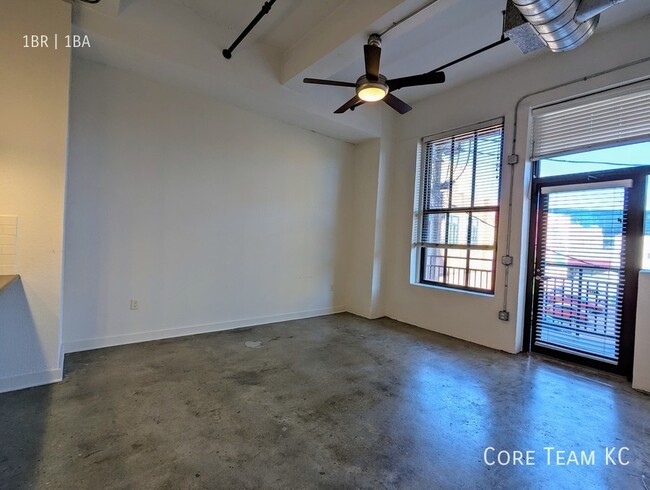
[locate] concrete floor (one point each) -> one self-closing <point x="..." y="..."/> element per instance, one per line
<point x="331" y="402"/>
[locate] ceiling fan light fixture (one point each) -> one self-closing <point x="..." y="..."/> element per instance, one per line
<point x="371" y="91"/>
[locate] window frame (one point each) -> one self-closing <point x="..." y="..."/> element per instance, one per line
<point x="420" y="247"/>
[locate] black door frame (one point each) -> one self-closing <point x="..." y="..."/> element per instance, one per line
<point x="633" y="262"/>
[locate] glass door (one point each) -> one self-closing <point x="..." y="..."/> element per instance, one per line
<point x="583" y="282"/>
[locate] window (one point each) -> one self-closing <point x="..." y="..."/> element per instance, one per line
<point x="458" y="208"/>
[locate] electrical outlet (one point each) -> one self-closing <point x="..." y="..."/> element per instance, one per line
<point x="134" y="304"/>
<point x="504" y="316"/>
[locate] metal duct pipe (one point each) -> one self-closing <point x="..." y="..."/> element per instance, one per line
<point x="554" y="21"/>
<point x="591" y="8"/>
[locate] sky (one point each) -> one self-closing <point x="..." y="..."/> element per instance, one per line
<point x="610" y="159"/>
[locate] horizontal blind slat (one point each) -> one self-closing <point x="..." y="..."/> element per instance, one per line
<point x="581" y="273"/>
<point x="460" y="203"/>
<point x="594" y="121"/>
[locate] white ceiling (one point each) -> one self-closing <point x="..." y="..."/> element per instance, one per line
<point x="290" y="22"/>
<point x="180" y="41"/>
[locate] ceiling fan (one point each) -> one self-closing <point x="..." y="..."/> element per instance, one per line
<point x="373" y="86"/>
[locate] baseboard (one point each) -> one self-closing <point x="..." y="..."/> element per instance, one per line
<point x="30" y="380"/>
<point x="100" y="343"/>
<point x="398" y="318"/>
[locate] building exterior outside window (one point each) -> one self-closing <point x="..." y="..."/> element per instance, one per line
<point x="458" y="208"/>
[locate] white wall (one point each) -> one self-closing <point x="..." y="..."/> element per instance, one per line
<point x="209" y="216"/>
<point x="369" y="222"/>
<point x="363" y="217"/>
<point x="641" y="376"/>
<point x="469" y="316"/>
<point x="33" y="145"/>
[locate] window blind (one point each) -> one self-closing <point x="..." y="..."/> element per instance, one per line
<point x="610" y="118"/>
<point x="459" y="207"/>
<point x="581" y="270"/>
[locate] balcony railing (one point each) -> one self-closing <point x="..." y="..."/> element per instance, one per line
<point x="459" y="276"/>
<point x="580" y="308"/>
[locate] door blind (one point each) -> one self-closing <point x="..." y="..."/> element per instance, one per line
<point x="581" y="272"/>
<point x="610" y="118"/>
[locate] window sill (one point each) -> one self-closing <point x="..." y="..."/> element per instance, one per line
<point x="453" y="290"/>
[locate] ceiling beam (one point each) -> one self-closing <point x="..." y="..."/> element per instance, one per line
<point x="343" y="25"/>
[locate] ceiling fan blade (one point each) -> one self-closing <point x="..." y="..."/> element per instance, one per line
<point x="397" y="104"/>
<point x="417" y="80"/>
<point x="335" y="83"/>
<point x="354" y="101"/>
<point x="372" y="56"/>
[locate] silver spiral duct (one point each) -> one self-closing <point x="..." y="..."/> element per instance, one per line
<point x="554" y="21"/>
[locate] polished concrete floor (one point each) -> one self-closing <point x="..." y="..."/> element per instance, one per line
<point x="331" y="402"/>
